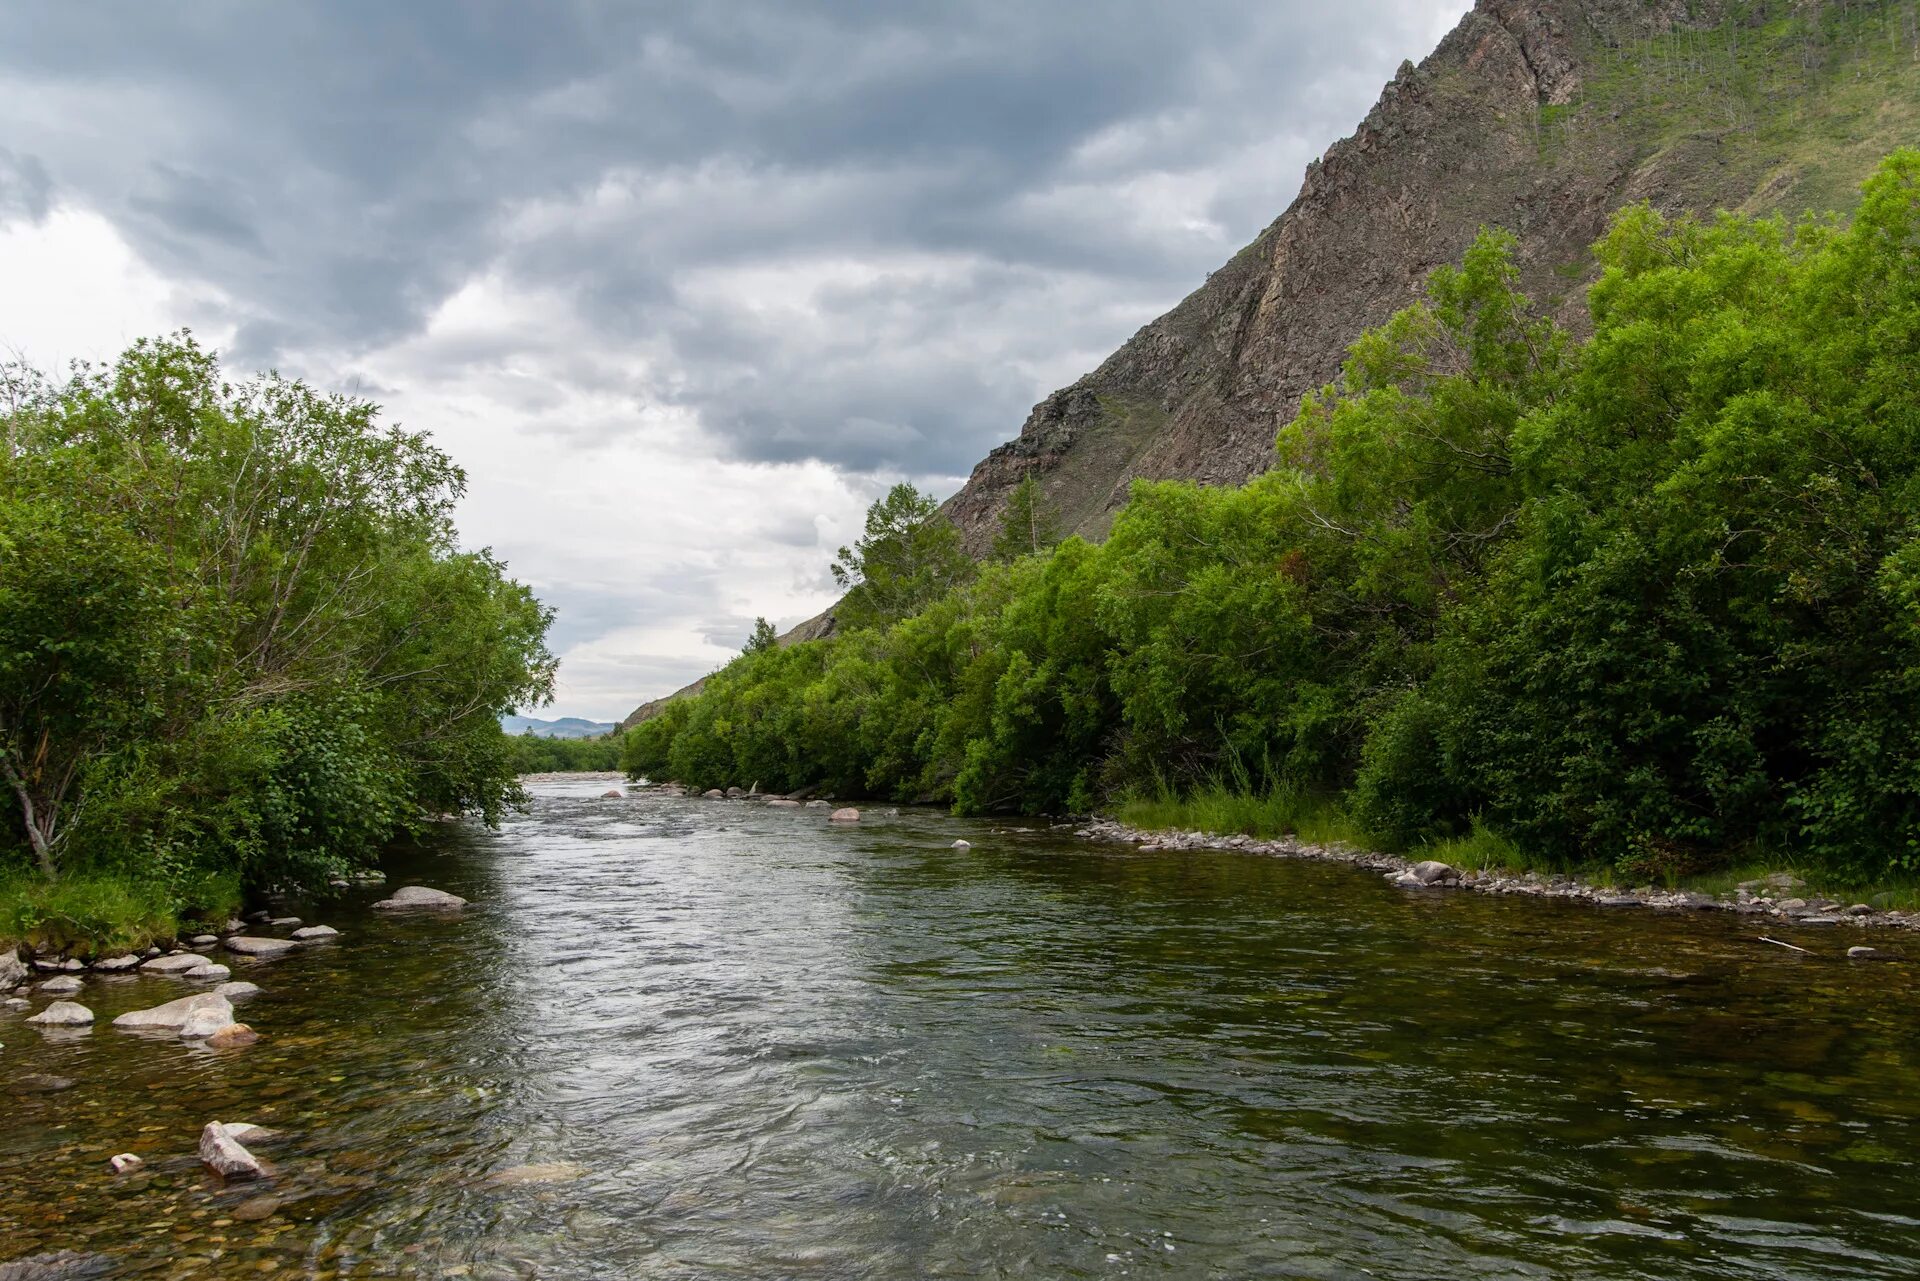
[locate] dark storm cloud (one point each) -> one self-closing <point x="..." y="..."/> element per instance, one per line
<point x="870" y="233"/>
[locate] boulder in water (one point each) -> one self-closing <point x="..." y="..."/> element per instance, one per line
<point x="63" y="1014"/>
<point x="237" y="991"/>
<point x="1434" y="872"/>
<point x="65" y="985"/>
<point x="418" y="898"/>
<point x="262" y="948"/>
<point x="12" y="969"/>
<point x="226" y="1156"/>
<point x="117" y="964"/>
<point x="614" y="795"/>
<point x="178" y="963"/>
<point x="782" y="803"/>
<point x="846" y="815"/>
<point x="316" y="934"/>
<point x="125" y="1163"/>
<point x="232" y="1036"/>
<point x="173" y="1016"/>
<point x="962" y="845"/>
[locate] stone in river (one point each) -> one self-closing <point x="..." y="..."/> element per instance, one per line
<point x="248" y="1132"/>
<point x="174" y="1014"/>
<point x="520" y="1176"/>
<point x="232" y="1036"/>
<point x="65" y="985"/>
<point x="846" y="815"/>
<point x="116" y="964"/>
<point x="125" y="1163"/>
<point x="39" y="1083"/>
<point x="255" y="1208"/>
<point x="614" y="795"/>
<point x="209" y="973"/>
<point x="205" y="1021"/>
<point x="237" y="991"/>
<point x="418" y="898"/>
<point x="204" y="940"/>
<point x="1867" y="954"/>
<point x="817" y="805"/>
<point x="12" y="969"/>
<point x="316" y="933"/>
<point x="713" y="794"/>
<point x="225" y="1156"/>
<point x="178" y="963"/>
<point x="782" y="803"/>
<point x="61" y="1265"/>
<point x="63" y="1014"/>
<point x="284" y="922"/>
<point x="962" y="845"/>
<point x="261" y="948"/>
<point x="1434" y="872"/>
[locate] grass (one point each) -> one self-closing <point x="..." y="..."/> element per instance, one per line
<point x="93" y="914"/>
<point x="1223" y="810"/>
<point x="1280" y="811"/>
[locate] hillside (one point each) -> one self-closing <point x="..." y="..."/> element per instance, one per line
<point x="1538" y="116"/>
<point x="565" y="727"/>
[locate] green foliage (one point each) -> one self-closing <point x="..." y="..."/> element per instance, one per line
<point x="238" y="642"/>
<point x="1649" y="601"/>
<point x="908" y="557"/>
<point x="532" y="754"/>
<point x="762" y="638"/>
<point x="1028" y="525"/>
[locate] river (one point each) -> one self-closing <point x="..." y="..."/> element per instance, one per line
<point x="685" y="1038"/>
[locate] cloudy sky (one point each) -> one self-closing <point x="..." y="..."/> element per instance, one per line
<point x="683" y="286"/>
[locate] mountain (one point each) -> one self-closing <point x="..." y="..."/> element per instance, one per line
<point x="565" y="727"/>
<point x="1538" y="116"/>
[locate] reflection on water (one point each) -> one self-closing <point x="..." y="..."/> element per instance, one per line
<point x="695" y="1039"/>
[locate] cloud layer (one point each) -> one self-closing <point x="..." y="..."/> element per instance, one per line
<point x="681" y="284"/>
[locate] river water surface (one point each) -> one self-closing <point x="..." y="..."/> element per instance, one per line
<point x="684" y="1038"/>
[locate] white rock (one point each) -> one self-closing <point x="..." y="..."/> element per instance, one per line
<point x="178" y="963"/>
<point x="224" y="1155"/>
<point x="125" y="1163"/>
<point x="782" y="803"/>
<point x="962" y="845"/>
<point x="12" y="969"/>
<point x="204" y="940"/>
<point x="284" y="922"/>
<point x="174" y="1014"/>
<point x="1433" y="872"/>
<point x="846" y="815"/>
<point x="205" y="1021"/>
<point x="237" y="991"/>
<point x="115" y="964"/>
<point x="251" y="945"/>
<point x="316" y="933"/>
<point x="63" y="1014"/>
<point x="418" y="898"/>
<point x="65" y="985"/>
<point x="209" y="973"/>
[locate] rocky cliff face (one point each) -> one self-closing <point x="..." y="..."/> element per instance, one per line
<point x="1538" y="116"/>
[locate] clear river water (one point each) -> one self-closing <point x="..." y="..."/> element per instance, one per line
<point x="693" y="1039"/>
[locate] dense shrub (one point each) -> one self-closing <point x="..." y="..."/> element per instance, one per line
<point x="1651" y="597"/>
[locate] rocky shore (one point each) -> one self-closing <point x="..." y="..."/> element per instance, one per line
<point x="1777" y="897"/>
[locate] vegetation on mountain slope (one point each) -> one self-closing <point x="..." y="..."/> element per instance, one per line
<point x="1651" y="596"/>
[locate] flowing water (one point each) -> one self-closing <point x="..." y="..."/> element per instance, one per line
<point x="684" y="1038"/>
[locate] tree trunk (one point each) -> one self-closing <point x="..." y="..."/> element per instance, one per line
<point x="40" y="838"/>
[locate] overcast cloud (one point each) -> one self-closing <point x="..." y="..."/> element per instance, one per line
<point x="683" y="286"/>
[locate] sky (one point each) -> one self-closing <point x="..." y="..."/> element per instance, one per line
<point x="683" y="287"/>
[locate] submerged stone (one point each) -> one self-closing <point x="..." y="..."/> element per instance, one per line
<point x="261" y="948"/>
<point x="63" y="1014"/>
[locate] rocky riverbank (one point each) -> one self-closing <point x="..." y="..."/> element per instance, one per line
<point x="1777" y="897"/>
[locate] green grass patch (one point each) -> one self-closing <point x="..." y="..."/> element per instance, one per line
<point x="104" y="915"/>
<point x="1282" y="810"/>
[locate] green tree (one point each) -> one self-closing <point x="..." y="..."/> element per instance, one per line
<point x="907" y="558"/>
<point x="1027" y="523"/>
<point x="763" y="637"/>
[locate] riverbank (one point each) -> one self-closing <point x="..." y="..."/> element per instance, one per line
<point x="1779" y="895"/>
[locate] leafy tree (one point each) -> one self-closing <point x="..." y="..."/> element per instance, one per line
<point x="1027" y="524"/>
<point x="762" y="639"/>
<point x="908" y="557"/>
<point x="237" y="638"/>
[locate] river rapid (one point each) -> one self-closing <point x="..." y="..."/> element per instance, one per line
<point x="678" y="1038"/>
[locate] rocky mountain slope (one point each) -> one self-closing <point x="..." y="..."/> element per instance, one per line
<point x="1538" y="116"/>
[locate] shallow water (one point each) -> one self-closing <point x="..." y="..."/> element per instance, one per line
<point x="738" y="1042"/>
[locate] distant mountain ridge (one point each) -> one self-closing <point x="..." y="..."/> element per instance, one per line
<point x="565" y="727"/>
<point x="1542" y="117"/>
